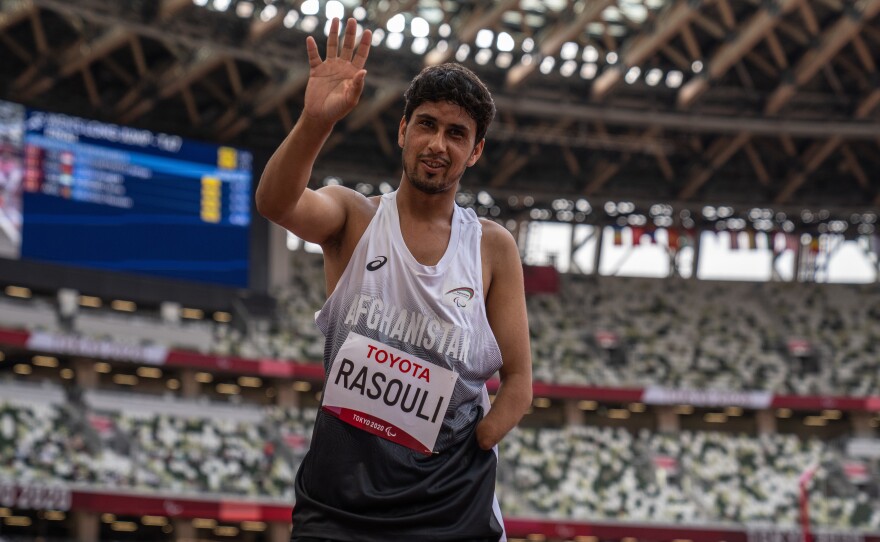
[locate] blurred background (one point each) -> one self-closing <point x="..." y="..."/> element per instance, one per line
<point x="694" y="187"/>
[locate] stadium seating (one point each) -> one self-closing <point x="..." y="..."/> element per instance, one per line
<point x="577" y="472"/>
<point x="673" y="333"/>
<point x="595" y="473"/>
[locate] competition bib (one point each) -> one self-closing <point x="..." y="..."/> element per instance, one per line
<point x="388" y="393"/>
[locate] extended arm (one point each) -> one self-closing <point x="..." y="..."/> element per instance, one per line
<point x="506" y="310"/>
<point x="334" y="88"/>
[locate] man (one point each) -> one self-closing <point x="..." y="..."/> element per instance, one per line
<point x="425" y="301"/>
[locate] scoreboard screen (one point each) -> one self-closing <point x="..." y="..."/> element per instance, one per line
<point x="91" y="194"/>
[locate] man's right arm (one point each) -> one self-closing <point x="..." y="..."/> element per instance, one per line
<point x="283" y="195"/>
<point x="334" y="88"/>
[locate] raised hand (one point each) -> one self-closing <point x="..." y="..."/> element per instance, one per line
<point x="335" y="84"/>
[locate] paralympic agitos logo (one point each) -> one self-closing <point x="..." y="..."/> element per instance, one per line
<point x="460" y="296"/>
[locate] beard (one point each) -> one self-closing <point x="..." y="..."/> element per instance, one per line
<point x="425" y="183"/>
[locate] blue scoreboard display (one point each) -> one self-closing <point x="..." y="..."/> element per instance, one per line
<point x="98" y="195"/>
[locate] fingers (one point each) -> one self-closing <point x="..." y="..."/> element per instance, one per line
<point x="363" y="50"/>
<point x="357" y="86"/>
<point x="348" y="40"/>
<point x="333" y="39"/>
<point x="358" y="59"/>
<point x="312" y="49"/>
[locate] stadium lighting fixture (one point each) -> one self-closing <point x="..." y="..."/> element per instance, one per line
<point x="419" y="45"/>
<point x="378" y="36"/>
<point x="123" y="306"/>
<point x="222" y="316"/>
<point x="653" y="77"/>
<point x="445" y="30"/>
<point x="528" y="45"/>
<point x="568" y="68"/>
<point x="394" y="41"/>
<point x="611" y="57"/>
<point x="244" y="9"/>
<point x="45" y="361"/>
<point x="485" y="37"/>
<point x="334" y="10"/>
<point x="302" y="386"/>
<point x="674" y="78"/>
<point x="541" y="402"/>
<point x="588" y="71"/>
<point x="419" y="28"/>
<point x="228" y="389"/>
<point x="583" y="206"/>
<point x="309" y="24"/>
<point x="618" y="413"/>
<point x="359" y="13"/>
<point x="587" y="405"/>
<point x="149" y="372"/>
<point x="396" y="24"/>
<point x="504" y="42"/>
<point x="269" y="12"/>
<point x="632" y="75"/>
<point x="204" y="523"/>
<point x="483" y="56"/>
<point x="310" y="7"/>
<point x="18" y="291"/>
<point x="125" y="380"/>
<point x="569" y="50"/>
<point x="590" y="54"/>
<point x="250" y="382"/>
<point x="192" y="314"/>
<point x="547" y="65"/>
<point x="291" y="18"/>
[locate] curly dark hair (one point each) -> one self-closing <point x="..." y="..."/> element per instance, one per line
<point x="455" y="84"/>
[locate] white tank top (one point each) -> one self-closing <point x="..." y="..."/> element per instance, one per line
<point x="436" y="313"/>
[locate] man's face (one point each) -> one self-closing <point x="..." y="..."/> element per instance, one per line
<point x="438" y="145"/>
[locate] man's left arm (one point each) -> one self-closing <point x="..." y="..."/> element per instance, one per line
<point x="506" y="311"/>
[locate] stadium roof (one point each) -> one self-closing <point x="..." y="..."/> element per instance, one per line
<point x="765" y="103"/>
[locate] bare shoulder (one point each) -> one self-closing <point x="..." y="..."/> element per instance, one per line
<point x="500" y="255"/>
<point x="357" y="208"/>
<point x="350" y="199"/>
<point x="498" y="243"/>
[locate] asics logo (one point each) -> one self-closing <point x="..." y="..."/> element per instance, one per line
<point x="377" y="263"/>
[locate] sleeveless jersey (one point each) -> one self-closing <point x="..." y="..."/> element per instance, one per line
<point x="356" y="485"/>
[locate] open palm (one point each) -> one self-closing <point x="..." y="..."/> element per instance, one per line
<point x="335" y="84"/>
